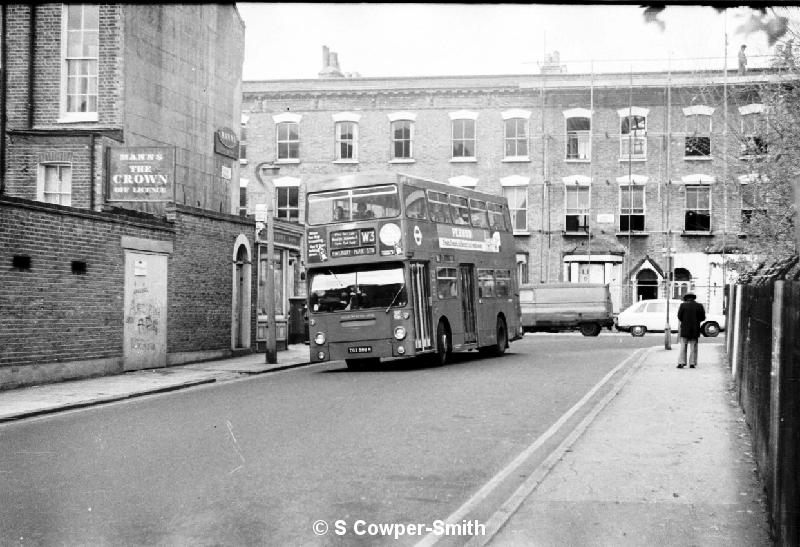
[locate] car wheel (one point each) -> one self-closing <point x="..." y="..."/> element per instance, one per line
<point x="710" y="329"/>
<point x="590" y="329"/>
<point x="638" y="330"/>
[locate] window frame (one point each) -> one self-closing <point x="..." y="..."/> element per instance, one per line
<point x="285" y="185"/>
<point x="753" y="124"/>
<point x="287" y="142"/>
<point x="462" y="140"/>
<point x="41" y="183"/>
<point x="578" y="136"/>
<point x="639" y="134"/>
<point x="516" y="139"/>
<point x="628" y="190"/>
<point x="693" y="189"/>
<point x="65" y="115"/>
<point x="577" y="211"/>
<point x="404" y="142"/>
<point x="695" y="130"/>
<point x="514" y="210"/>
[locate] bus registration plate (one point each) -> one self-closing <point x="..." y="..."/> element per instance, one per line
<point x="359" y="349"/>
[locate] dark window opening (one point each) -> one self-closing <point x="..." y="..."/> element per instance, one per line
<point x="21" y="263"/>
<point x="79" y="267"/>
<point x="698" y="146"/>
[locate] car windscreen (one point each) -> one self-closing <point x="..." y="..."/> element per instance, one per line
<point x="349" y="288"/>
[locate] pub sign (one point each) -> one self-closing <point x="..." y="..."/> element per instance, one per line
<point x="226" y="143"/>
<point x="141" y="174"/>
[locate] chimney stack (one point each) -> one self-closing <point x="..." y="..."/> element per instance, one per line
<point x="330" y="64"/>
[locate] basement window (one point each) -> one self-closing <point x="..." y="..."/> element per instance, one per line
<point x="21" y="263"/>
<point x="79" y="267"/>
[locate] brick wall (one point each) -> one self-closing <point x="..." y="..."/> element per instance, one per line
<point x="52" y="315"/>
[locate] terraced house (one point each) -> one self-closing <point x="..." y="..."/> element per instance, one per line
<point x="617" y="178"/>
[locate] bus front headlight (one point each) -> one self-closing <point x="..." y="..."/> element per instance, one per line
<point x="319" y="338"/>
<point x="399" y="333"/>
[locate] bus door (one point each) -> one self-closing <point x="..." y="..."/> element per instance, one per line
<point x="421" y="292"/>
<point x="466" y="281"/>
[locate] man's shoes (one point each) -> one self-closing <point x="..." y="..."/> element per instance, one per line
<point x="681" y="366"/>
<point x="691" y="366"/>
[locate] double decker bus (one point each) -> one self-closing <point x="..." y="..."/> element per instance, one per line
<point x="400" y="266"/>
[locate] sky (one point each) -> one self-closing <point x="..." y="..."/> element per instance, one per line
<point x="284" y="40"/>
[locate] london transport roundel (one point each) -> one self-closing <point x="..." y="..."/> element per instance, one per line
<point x="417" y="235"/>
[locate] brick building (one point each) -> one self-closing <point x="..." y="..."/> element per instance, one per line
<point x="120" y="243"/>
<point x="609" y="176"/>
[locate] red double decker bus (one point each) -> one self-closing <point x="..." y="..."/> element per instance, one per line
<point x="399" y="266"/>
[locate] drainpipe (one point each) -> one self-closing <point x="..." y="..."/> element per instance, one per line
<point x="3" y="58"/>
<point x="91" y="171"/>
<point x="31" y="54"/>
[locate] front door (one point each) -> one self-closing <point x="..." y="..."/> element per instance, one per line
<point x="421" y="292"/>
<point x="466" y="280"/>
<point x="145" y="317"/>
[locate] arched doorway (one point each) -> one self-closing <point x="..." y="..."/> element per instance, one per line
<point x="646" y="285"/>
<point x="681" y="282"/>
<point x="240" y="312"/>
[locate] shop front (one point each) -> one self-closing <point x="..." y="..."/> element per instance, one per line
<point x="289" y="283"/>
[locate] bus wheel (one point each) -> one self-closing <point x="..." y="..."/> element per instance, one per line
<point x="502" y="338"/>
<point x="443" y="351"/>
<point x="590" y="329"/>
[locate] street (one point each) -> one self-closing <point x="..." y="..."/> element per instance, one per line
<point x="262" y="460"/>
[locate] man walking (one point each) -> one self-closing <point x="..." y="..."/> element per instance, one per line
<point x="691" y="314"/>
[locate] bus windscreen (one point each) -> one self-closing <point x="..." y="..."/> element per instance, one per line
<point x="352" y="288"/>
<point x="353" y="204"/>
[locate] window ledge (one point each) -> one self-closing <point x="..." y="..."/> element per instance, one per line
<point x="698" y="158"/>
<point x="633" y="233"/>
<point x="345" y="162"/>
<point x="242" y="161"/>
<point x="752" y="157"/>
<point x="288" y="161"/>
<point x="697" y="233"/>
<point x="632" y="160"/>
<point x="579" y="233"/>
<point x="78" y="118"/>
<point x="521" y="233"/>
<point x="464" y="160"/>
<point x="402" y="160"/>
<point x="577" y="160"/>
<point x="516" y="159"/>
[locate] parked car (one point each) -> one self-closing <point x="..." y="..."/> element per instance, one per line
<point x="651" y="315"/>
<point x="566" y="306"/>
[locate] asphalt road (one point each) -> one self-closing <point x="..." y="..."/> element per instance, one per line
<point x="259" y="461"/>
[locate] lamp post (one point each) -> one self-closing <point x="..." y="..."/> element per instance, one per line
<point x="668" y="255"/>
<point x="269" y="170"/>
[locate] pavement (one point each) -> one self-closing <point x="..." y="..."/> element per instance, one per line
<point x="664" y="459"/>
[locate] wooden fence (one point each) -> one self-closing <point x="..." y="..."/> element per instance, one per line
<point x="763" y="349"/>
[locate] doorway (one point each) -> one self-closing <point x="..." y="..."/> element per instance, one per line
<point x="467" y="286"/>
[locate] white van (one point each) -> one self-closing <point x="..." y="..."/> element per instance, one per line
<point x="566" y="306"/>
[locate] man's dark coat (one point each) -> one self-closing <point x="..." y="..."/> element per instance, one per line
<point x="691" y="314"/>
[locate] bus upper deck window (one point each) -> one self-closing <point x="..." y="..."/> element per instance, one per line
<point x="438" y="207"/>
<point x="459" y="209"/>
<point x="496" y="217"/>
<point x="478" y="213"/>
<point x="415" y="202"/>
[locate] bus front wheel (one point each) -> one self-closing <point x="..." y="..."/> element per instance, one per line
<point x="502" y="338"/>
<point x="443" y="350"/>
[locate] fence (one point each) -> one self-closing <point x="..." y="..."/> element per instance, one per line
<point x="763" y="348"/>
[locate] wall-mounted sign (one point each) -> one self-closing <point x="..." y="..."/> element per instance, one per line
<point x="226" y="172"/>
<point x="141" y="174"/>
<point x="226" y="143"/>
<point x="605" y="218"/>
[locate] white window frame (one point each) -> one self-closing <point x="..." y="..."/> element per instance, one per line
<point x="279" y="120"/>
<point x="64" y="192"/>
<point x="639" y="135"/>
<point x="243" y="140"/>
<point x="752" y="113"/>
<point x="516" y="115"/>
<point x="243" y="186"/>
<point x="690" y="188"/>
<point x="464" y="115"/>
<point x="280" y="184"/>
<point x="629" y="188"/>
<point x="395" y="117"/>
<point x="587" y="134"/>
<point x="516" y="183"/>
<point x="90" y="115"/>
<point x="577" y="184"/>
<point x="692" y="118"/>
<point x="338" y="121"/>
